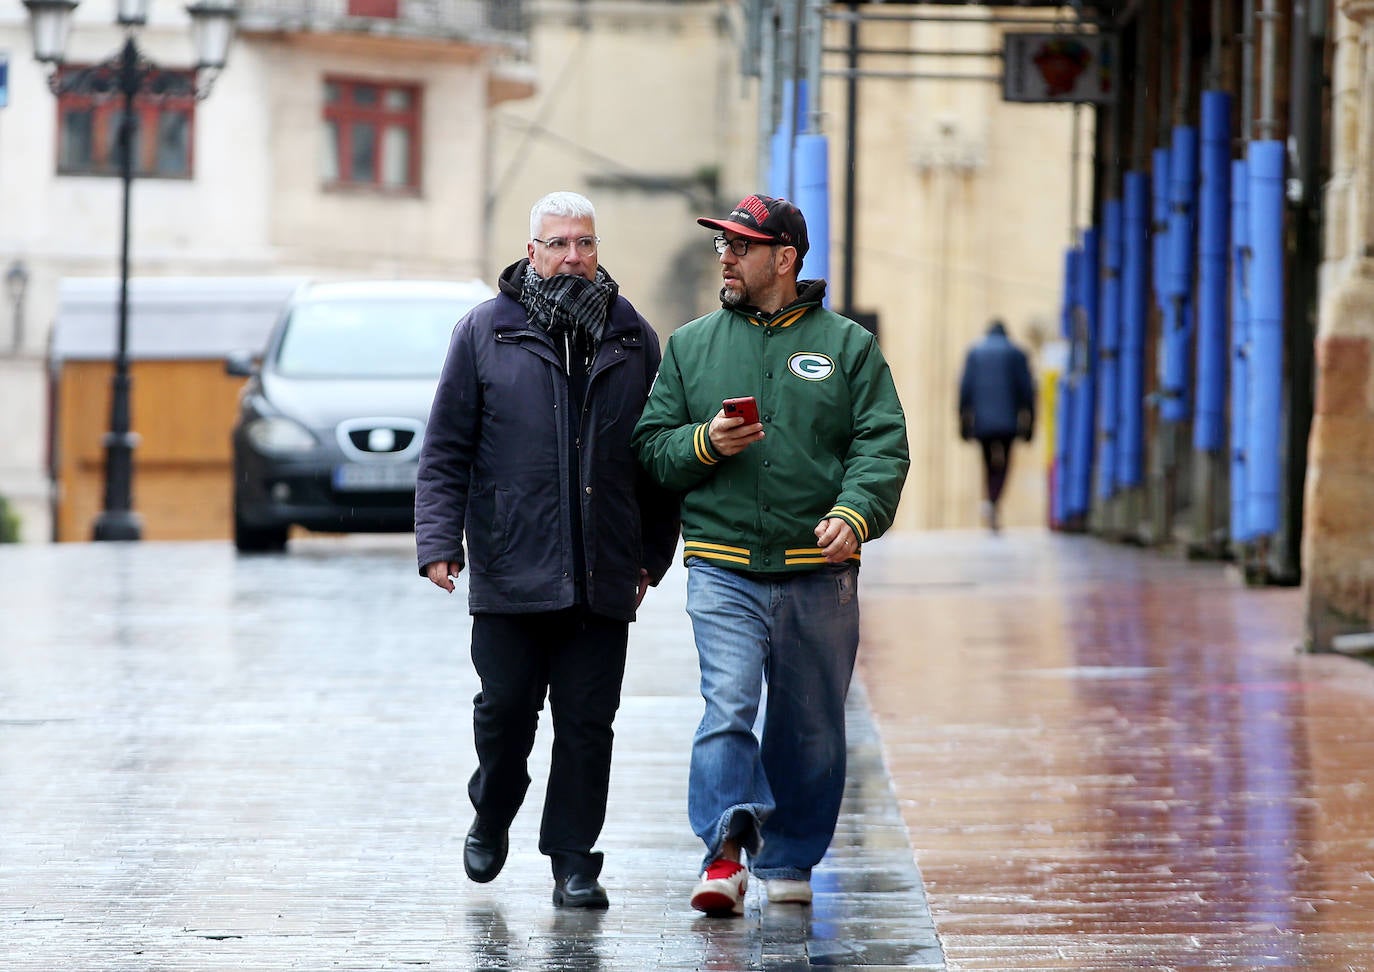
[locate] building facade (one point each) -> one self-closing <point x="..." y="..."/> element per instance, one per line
<point x="344" y="138"/>
<point x="410" y="137"/>
<point x="1338" y="526"/>
<point x="653" y="110"/>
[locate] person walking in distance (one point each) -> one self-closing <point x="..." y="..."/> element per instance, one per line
<point x="780" y="491"/>
<point x="996" y="406"/>
<point x="528" y="457"/>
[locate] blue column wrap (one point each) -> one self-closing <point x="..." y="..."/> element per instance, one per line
<point x="1063" y="409"/>
<point x="1085" y="358"/>
<point x="1175" y="367"/>
<point x="813" y="199"/>
<point x="1240" y="345"/>
<point x="780" y="175"/>
<point x="1109" y="345"/>
<point x="1213" y="233"/>
<point x="1265" y="379"/>
<point x="1159" y="221"/>
<point x="1135" y="242"/>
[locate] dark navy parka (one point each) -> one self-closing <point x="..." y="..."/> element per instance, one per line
<point x="503" y="461"/>
<point x="996" y="391"/>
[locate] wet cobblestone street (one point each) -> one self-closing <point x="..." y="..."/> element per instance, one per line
<point x="1064" y="755"/>
<point x="1112" y="759"/>
<point x="217" y="762"/>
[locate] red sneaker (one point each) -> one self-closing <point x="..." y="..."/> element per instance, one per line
<point x="721" y="888"/>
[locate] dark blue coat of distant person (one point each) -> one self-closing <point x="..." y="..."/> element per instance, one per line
<point x="996" y="393"/>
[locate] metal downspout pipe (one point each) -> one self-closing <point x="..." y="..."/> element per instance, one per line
<point x="781" y="177"/>
<point x="768" y="87"/>
<point x="851" y="165"/>
<point x="811" y="164"/>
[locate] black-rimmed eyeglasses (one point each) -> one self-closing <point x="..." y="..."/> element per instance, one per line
<point x="739" y="246"/>
<point x="586" y="245"/>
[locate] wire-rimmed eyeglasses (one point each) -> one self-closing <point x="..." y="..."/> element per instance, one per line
<point x="585" y="245"/>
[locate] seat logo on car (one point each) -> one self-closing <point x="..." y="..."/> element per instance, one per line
<point x="811" y="365"/>
<point x="381" y="440"/>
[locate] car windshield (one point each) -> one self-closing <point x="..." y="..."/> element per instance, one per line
<point x="388" y="338"/>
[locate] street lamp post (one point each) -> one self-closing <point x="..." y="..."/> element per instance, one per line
<point x="16" y="284"/>
<point x="129" y="75"/>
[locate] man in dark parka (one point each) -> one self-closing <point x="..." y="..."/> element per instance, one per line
<point x="996" y="406"/>
<point x="527" y="456"/>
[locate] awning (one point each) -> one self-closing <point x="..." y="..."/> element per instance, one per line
<point x="169" y="317"/>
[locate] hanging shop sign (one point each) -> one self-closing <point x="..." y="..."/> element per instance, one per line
<point x="1060" y="67"/>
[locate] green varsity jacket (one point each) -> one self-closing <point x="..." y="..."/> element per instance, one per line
<point x="834" y="435"/>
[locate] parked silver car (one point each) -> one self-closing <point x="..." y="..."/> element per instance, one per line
<point x="331" y="420"/>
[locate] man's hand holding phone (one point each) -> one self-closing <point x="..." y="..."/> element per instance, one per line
<point x="736" y="426"/>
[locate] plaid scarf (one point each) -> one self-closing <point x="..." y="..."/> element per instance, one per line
<point x="567" y="305"/>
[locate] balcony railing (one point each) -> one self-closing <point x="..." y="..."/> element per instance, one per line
<point x="490" y="21"/>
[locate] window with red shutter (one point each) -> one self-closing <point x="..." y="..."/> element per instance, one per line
<point x="372" y="134"/>
<point x="88" y="130"/>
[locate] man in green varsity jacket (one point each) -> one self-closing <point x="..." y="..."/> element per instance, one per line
<point x="775" y="510"/>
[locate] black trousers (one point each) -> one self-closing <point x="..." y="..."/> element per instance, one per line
<point x="577" y="660"/>
<point x="996" y="465"/>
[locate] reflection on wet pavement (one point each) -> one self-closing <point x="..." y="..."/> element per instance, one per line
<point x="1109" y="759"/>
<point x="1104" y="758"/>
<point x="215" y="762"/>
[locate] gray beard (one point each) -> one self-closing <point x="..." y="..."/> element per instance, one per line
<point x="732" y="298"/>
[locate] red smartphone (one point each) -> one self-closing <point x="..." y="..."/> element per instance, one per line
<point x="745" y="408"/>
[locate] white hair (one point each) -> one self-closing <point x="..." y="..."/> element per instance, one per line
<point x="560" y="203"/>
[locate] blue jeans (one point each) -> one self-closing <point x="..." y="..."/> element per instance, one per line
<point x="777" y="794"/>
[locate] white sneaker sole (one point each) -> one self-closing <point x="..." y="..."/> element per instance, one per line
<point x="784" y="891"/>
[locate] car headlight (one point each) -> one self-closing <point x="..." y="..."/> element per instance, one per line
<point x="277" y="436"/>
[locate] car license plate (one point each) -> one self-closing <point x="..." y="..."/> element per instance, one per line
<point x="363" y="477"/>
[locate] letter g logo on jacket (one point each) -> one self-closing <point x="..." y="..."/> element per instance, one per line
<point x="811" y="366"/>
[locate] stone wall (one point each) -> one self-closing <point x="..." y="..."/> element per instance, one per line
<point x="1338" y="529"/>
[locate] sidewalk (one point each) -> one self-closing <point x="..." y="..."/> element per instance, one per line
<point x="211" y="762"/>
<point x="1098" y="757"/>
<point x="1110" y="759"/>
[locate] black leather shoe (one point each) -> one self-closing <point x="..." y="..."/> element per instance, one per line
<point x="579" y="891"/>
<point x="484" y="852"/>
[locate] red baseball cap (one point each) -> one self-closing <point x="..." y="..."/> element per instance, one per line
<point x="764" y="218"/>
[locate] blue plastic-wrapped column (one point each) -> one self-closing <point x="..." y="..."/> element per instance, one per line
<point x="1213" y="229"/>
<point x="1084" y="356"/>
<point x="1265" y="379"/>
<point x="1240" y="346"/>
<point x="1175" y="367"/>
<point x="813" y="199"/>
<point x="1109" y="348"/>
<point x="781" y="177"/>
<point x="1063" y="400"/>
<point x="1135" y="242"/>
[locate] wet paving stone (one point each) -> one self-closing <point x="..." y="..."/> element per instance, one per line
<point x="214" y="762"/>
<point x="1111" y="759"/>
<point x="1098" y="757"/>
